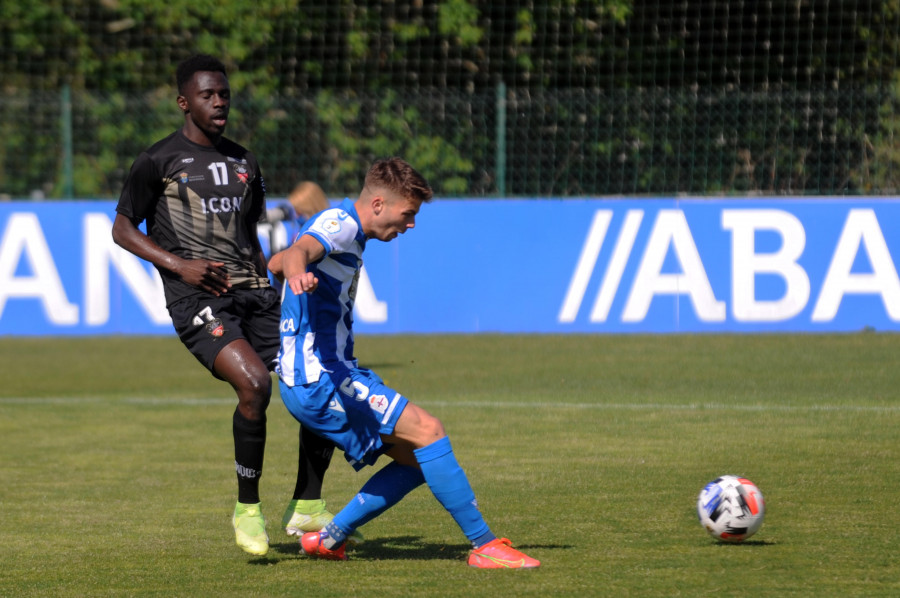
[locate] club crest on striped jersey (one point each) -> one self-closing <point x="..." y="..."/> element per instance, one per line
<point x="331" y="226"/>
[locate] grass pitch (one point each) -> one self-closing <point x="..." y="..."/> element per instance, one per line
<point x="587" y="451"/>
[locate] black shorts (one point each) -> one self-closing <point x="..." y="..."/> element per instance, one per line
<point x="206" y="323"/>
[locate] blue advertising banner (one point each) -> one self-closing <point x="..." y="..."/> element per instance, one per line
<point x="537" y="265"/>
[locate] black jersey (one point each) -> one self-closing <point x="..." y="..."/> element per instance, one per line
<point x="199" y="202"/>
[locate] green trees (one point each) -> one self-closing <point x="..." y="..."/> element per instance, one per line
<point x="602" y="96"/>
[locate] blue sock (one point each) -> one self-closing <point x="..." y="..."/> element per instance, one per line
<point x="383" y="490"/>
<point x="449" y="484"/>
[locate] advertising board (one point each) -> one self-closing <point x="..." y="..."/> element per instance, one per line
<point x="516" y="266"/>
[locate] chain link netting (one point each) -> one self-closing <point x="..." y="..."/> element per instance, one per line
<point x="542" y="99"/>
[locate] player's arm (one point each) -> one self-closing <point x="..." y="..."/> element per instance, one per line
<point x="205" y="274"/>
<point x="291" y="264"/>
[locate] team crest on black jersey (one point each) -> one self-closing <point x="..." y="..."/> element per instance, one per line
<point x="241" y="171"/>
<point x="184" y="178"/>
<point x="215" y="328"/>
<point x="213" y="325"/>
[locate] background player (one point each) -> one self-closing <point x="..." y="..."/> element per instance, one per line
<point x="287" y="219"/>
<point x="201" y="196"/>
<point x="323" y="386"/>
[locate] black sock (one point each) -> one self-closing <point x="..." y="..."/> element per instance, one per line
<point x="315" y="456"/>
<point x="249" y="448"/>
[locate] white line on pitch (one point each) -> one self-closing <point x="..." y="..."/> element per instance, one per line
<point x="468" y="404"/>
<point x="662" y="406"/>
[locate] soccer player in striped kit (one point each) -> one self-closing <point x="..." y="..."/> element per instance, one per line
<point x="323" y="386"/>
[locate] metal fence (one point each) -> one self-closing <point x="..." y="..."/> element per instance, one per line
<point x="522" y="98"/>
<point x="501" y="142"/>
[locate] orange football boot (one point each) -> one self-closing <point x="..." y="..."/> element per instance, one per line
<point x="312" y="545"/>
<point x="499" y="554"/>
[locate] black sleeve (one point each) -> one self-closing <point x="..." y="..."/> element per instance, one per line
<point x="141" y="191"/>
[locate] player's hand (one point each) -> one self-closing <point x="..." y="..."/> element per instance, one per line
<point x="210" y="276"/>
<point x="305" y="282"/>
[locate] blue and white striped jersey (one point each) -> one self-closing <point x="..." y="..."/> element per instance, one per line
<point x="317" y="329"/>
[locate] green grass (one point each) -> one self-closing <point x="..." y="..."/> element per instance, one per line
<point x="587" y="451"/>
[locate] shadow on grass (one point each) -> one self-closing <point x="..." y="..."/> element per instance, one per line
<point x="747" y="543"/>
<point x="410" y="548"/>
<point x="377" y="366"/>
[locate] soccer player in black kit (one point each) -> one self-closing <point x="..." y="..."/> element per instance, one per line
<point x="202" y="196"/>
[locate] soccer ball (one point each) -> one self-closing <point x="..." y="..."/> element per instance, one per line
<point x="731" y="508"/>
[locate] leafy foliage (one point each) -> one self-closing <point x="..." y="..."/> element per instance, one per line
<point x="706" y="97"/>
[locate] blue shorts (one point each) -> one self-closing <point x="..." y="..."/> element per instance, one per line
<point x="353" y="408"/>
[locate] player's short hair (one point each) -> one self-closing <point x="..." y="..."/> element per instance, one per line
<point x="396" y="174"/>
<point x="195" y="64"/>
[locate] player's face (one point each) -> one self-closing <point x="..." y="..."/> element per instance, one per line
<point x="206" y="101"/>
<point x="397" y="217"/>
